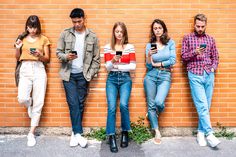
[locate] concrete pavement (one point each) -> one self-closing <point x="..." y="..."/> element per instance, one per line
<point x="58" y="146"/>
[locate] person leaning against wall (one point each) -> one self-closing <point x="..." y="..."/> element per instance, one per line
<point x="120" y="59"/>
<point x="78" y="51"/>
<point x="32" y="49"/>
<point x="160" y="57"/>
<point x="200" y="54"/>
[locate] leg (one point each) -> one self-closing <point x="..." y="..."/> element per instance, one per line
<point x="125" y="90"/>
<point x="150" y="90"/>
<point x="111" y="94"/>
<point x="209" y="87"/>
<point x="200" y="101"/>
<point x="72" y="97"/>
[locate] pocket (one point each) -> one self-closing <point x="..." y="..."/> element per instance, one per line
<point x="89" y="46"/>
<point x="68" y="46"/>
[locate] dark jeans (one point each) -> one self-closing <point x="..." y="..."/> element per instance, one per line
<point x="76" y="92"/>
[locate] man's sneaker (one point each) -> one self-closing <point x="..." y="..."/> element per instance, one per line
<point x="81" y="140"/>
<point x="201" y="139"/>
<point x="212" y="140"/>
<point x="73" y="141"/>
<point x="30" y="111"/>
<point x="157" y="139"/>
<point x="31" y="140"/>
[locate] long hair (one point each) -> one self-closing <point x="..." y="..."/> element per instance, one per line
<point x="164" y="37"/>
<point x="33" y="21"/>
<point x="125" y="35"/>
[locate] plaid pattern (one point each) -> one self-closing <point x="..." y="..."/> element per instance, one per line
<point x="198" y="63"/>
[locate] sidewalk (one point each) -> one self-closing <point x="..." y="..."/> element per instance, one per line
<point x="58" y="146"/>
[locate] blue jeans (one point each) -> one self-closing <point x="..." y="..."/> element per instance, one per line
<point x="118" y="82"/>
<point x="156" y="86"/>
<point x="76" y="92"/>
<point x="201" y="91"/>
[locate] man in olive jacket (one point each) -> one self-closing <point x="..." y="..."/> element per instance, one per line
<point x="78" y="51"/>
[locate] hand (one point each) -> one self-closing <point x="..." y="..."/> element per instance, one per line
<point x="158" y="64"/>
<point x="212" y="70"/>
<point x="36" y="53"/>
<point x="71" y="56"/>
<point x="151" y="52"/>
<point x="115" y="58"/>
<point x="200" y="50"/>
<point x="18" y="44"/>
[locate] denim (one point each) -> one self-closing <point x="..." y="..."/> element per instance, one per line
<point x="118" y="83"/>
<point x="201" y="90"/>
<point x="76" y="92"/>
<point x="156" y="85"/>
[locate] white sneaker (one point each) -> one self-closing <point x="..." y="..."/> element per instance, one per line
<point x="201" y="139"/>
<point x="30" y="111"/>
<point x="73" y="141"/>
<point x="212" y="140"/>
<point x="81" y="140"/>
<point x="31" y="140"/>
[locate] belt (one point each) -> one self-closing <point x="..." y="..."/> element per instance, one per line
<point x="164" y="69"/>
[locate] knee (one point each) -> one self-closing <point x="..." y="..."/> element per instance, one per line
<point x="111" y="110"/>
<point x="123" y="107"/>
<point x="24" y="101"/>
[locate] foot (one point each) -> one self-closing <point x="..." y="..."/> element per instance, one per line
<point x="157" y="139"/>
<point x="212" y="140"/>
<point x="124" y="142"/>
<point x="31" y="140"/>
<point x="73" y="141"/>
<point x="81" y="140"/>
<point x="201" y="139"/>
<point x="113" y="145"/>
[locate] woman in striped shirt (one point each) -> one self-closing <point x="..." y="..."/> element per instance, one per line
<point x="119" y="59"/>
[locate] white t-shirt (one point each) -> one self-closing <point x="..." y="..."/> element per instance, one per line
<point x="77" y="64"/>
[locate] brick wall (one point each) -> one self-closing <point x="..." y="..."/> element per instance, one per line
<point x="138" y="15"/>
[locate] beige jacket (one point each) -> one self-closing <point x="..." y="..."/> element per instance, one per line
<point x="91" y="62"/>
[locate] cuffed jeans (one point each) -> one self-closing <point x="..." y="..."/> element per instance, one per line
<point x="201" y="90"/>
<point x="33" y="80"/>
<point x="156" y="85"/>
<point x="76" y="92"/>
<point x="118" y="82"/>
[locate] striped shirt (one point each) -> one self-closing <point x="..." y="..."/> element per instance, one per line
<point x="127" y="61"/>
<point x="198" y="63"/>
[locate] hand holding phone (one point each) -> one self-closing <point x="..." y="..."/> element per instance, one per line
<point x="119" y="53"/>
<point x="153" y="46"/>
<point x="32" y="50"/>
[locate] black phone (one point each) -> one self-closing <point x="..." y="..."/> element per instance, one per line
<point x="119" y="53"/>
<point x="32" y="50"/>
<point x="74" y="52"/>
<point x="153" y="46"/>
<point x="203" y="45"/>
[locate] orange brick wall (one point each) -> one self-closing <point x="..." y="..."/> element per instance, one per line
<point x="138" y="15"/>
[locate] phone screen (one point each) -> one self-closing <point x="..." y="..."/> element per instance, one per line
<point x="32" y="50"/>
<point x="153" y="46"/>
<point x="119" y="53"/>
<point x="74" y="52"/>
<point x="203" y="46"/>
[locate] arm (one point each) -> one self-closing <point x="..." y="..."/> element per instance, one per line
<point x="60" y="52"/>
<point x="187" y="54"/>
<point x="18" y="45"/>
<point x="95" y="65"/>
<point x="172" y="59"/>
<point x="215" y="56"/>
<point x="148" y="57"/>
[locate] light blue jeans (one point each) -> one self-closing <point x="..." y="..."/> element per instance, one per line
<point x="118" y="83"/>
<point x="201" y="90"/>
<point x="157" y="86"/>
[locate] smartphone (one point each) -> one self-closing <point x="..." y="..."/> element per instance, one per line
<point x="119" y="53"/>
<point x="74" y="52"/>
<point x="32" y="50"/>
<point x="203" y="45"/>
<point x="153" y="46"/>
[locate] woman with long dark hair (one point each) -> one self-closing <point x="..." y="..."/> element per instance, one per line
<point x="32" y="49"/>
<point x="160" y="57"/>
